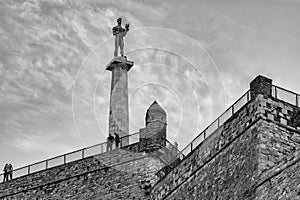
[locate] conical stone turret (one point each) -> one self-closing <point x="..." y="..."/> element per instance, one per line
<point x="153" y="136"/>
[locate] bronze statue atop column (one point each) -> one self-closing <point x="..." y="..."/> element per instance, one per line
<point x="119" y="32"/>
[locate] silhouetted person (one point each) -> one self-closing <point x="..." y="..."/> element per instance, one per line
<point x="110" y="140"/>
<point x="117" y="140"/>
<point x="9" y="171"/>
<point x="5" y="177"/>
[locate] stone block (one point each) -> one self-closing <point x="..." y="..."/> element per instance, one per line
<point x="270" y="116"/>
<point x="283" y="121"/>
<point x="284" y="111"/>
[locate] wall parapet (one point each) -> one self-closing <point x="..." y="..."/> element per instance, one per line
<point x="65" y="171"/>
<point x="69" y="157"/>
<point x="248" y="115"/>
<point x="269" y="91"/>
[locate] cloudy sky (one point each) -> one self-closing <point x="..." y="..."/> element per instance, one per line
<point x="194" y="57"/>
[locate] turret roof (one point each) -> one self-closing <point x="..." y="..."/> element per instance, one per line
<point x="155" y="106"/>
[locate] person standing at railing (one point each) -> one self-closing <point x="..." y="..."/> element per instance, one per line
<point x="110" y="140"/>
<point x="117" y="140"/>
<point x="10" y="171"/>
<point x="5" y="177"/>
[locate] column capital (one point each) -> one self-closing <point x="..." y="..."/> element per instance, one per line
<point x="119" y="62"/>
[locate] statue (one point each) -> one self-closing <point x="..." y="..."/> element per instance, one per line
<point x="119" y="32"/>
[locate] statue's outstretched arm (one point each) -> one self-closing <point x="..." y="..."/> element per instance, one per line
<point x="126" y="29"/>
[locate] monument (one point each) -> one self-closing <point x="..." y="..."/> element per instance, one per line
<point x="119" y="66"/>
<point x="252" y="153"/>
<point x="119" y="32"/>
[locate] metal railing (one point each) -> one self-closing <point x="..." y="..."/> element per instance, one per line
<point x="211" y="128"/>
<point x="277" y="92"/>
<point x="243" y="100"/>
<point x="286" y="95"/>
<point x="72" y="156"/>
<point x="217" y="123"/>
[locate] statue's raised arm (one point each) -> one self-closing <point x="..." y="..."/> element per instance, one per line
<point x="119" y="32"/>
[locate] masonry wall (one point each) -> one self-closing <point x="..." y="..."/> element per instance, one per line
<point x="234" y="161"/>
<point x="254" y="155"/>
<point x="282" y="182"/>
<point x="119" y="174"/>
<point x="279" y="152"/>
<point x="227" y="175"/>
<point x="216" y="162"/>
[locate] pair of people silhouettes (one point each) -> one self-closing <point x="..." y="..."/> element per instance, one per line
<point x="8" y="172"/>
<point x="110" y="141"/>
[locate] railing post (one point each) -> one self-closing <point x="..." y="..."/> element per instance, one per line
<point x="232" y="109"/>
<point x="218" y="122"/>
<point x="65" y="159"/>
<point x="28" y="168"/>
<point x="297" y="100"/>
<point x="275" y="91"/>
<point x="82" y="153"/>
<point x="191" y="146"/>
<point x="46" y="164"/>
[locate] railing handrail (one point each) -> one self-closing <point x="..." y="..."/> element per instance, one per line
<point x="247" y="94"/>
<point x="64" y="155"/>
<point x="217" y="120"/>
<point x="289" y="91"/>
<point x="230" y="108"/>
<point x="276" y="95"/>
<point x="190" y="145"/>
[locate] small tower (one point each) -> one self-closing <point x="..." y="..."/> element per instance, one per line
<point x="155" y="113"/>
<point x="153" y="136"/>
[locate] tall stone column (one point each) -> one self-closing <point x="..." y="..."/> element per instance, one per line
<point x="118" y="111"/>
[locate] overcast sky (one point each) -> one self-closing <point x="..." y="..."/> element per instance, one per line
<point x="194" y="57"/>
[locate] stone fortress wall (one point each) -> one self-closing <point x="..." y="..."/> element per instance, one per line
<point x="255" y="154"/>
<point x="123" y="173"/>
<point x="105" y="176"/>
